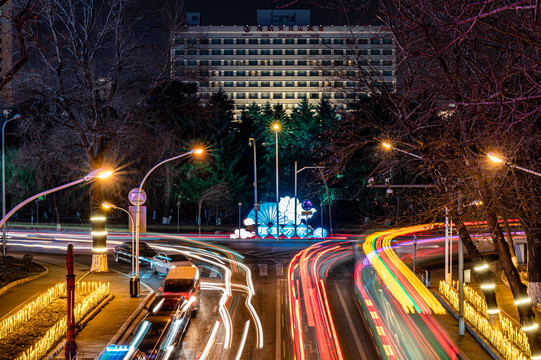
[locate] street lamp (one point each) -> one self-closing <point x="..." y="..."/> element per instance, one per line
<point x="100" y="173"/>
<point x="498" y="159"/>
<point x="240" y="216"/>
<point x="276" y="127"/>
<point x="256" y="205"/>
<point x="134" y="281"/>
<point x="4" y="183"/>
<point x="108" y="205"/>
<point x="296" y="172"/>
<point x="390" y="146"/>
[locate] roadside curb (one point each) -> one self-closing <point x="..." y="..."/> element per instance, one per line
<point x="473" y="333"/>
<point x="26" y="279"/>
<point x="131" y="319"/>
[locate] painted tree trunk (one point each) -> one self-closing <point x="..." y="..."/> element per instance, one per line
<point x="99" y="236"/>
<point x="485" y="276"/>
<point x="519" y="290"/>
<point x="533" y="237"/>
<point x="510" y="239"/>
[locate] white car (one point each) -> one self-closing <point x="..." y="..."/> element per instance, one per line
<point x="162" y="263"/>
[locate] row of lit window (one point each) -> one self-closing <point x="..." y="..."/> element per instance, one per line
<point x="312" y="63"/>
<point x="294" y="95"/>
<point x="287" y="52"/>
<point x="283" y="83"/>
<point x="294" y="41"/>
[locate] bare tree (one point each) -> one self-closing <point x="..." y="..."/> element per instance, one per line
<point x="214" y="197"/>
<point x="92" y="79"/>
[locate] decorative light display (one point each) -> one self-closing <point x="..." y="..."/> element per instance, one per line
<point x="98" y="291"/>
<point x="266" y="220"/>
<point x="510" y="341"/>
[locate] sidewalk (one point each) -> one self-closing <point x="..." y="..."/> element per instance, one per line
<point x="101" y="329"/>
<point x="506" y="304"/>
<point x="469" y="346"/>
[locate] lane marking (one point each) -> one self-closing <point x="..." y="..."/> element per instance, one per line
<point x="147" y="274"/>
<point x="350" y="323"/>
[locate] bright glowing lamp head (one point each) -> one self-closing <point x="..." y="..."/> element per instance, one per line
<point x="495" y="158"/>
<point x="276" y="126"/>
<point x="105" y="174"/>
<point x="198" y="151"/>
<point x="108" y="205"/>
<point x="386" y="145"/>
<point x="98" y="173"/>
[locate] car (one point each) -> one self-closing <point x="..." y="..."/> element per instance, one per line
<point x="183" y="282"/>
<point x="160" y="333"/>
<point x="163" y="263"/>
<point x="164" y="327"/>
<point x="123" y="252"/>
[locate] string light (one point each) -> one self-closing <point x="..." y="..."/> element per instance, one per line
<point x="530" y="327"/>
<point x="96" y="292"/>
<point x="511" y="342"/>
<point x="481" y="267"/>
<point x="523" y="301"/>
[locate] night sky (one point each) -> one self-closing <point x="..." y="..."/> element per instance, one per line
<point x="243" y="12"/>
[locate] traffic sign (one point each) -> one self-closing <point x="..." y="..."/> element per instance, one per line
<point x="132" y="196"/>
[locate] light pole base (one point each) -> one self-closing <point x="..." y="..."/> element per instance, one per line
<point x="134" y="287"/>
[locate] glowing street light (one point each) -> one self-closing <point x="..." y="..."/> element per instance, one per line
<point x="108" y="205"/>
<point x="495" y="158"/>
<point x="390" y="146"/>
<point x="134" y="281"/>
<point x="98" y="173"/>
<point x="501" y="160"/>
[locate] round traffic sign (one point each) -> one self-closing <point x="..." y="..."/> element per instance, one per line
<point x="132" y="196"/>
<point x="306" y="205"/>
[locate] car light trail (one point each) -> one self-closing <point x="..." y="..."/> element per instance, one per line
<point x="210" y="342"/>
<point x="243" y="340"/>
<point x="394" y="302"/>
<point x="310" y="316"/>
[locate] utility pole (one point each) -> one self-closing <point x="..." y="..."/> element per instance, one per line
<point x="460" y="278"/>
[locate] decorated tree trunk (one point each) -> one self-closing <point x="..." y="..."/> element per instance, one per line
<point x="99" y="236"/>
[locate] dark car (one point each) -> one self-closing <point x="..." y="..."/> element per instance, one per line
<point x="164" y="327"/>
<point x="124" y="253"/>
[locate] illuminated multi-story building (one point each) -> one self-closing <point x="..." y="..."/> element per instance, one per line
<point x="278" y="62"/>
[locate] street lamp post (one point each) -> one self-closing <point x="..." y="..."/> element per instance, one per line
<point x="240" y="216"/>
<point x="498" y="159"/>
<point x="134" y="281"/>
<point x="256" y="205"/>
<point x="4" y="183"/>
<point x="276" y="127"/>
<point x="108" y="205"/>
<point x="296" y="172"/>
<point x="390" y="146"/>
<point x="99" y="173"/>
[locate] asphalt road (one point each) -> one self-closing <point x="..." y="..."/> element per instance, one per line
<point x="259" y="266"/>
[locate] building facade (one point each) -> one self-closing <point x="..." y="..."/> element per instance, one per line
<point x="285" y="63"/>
